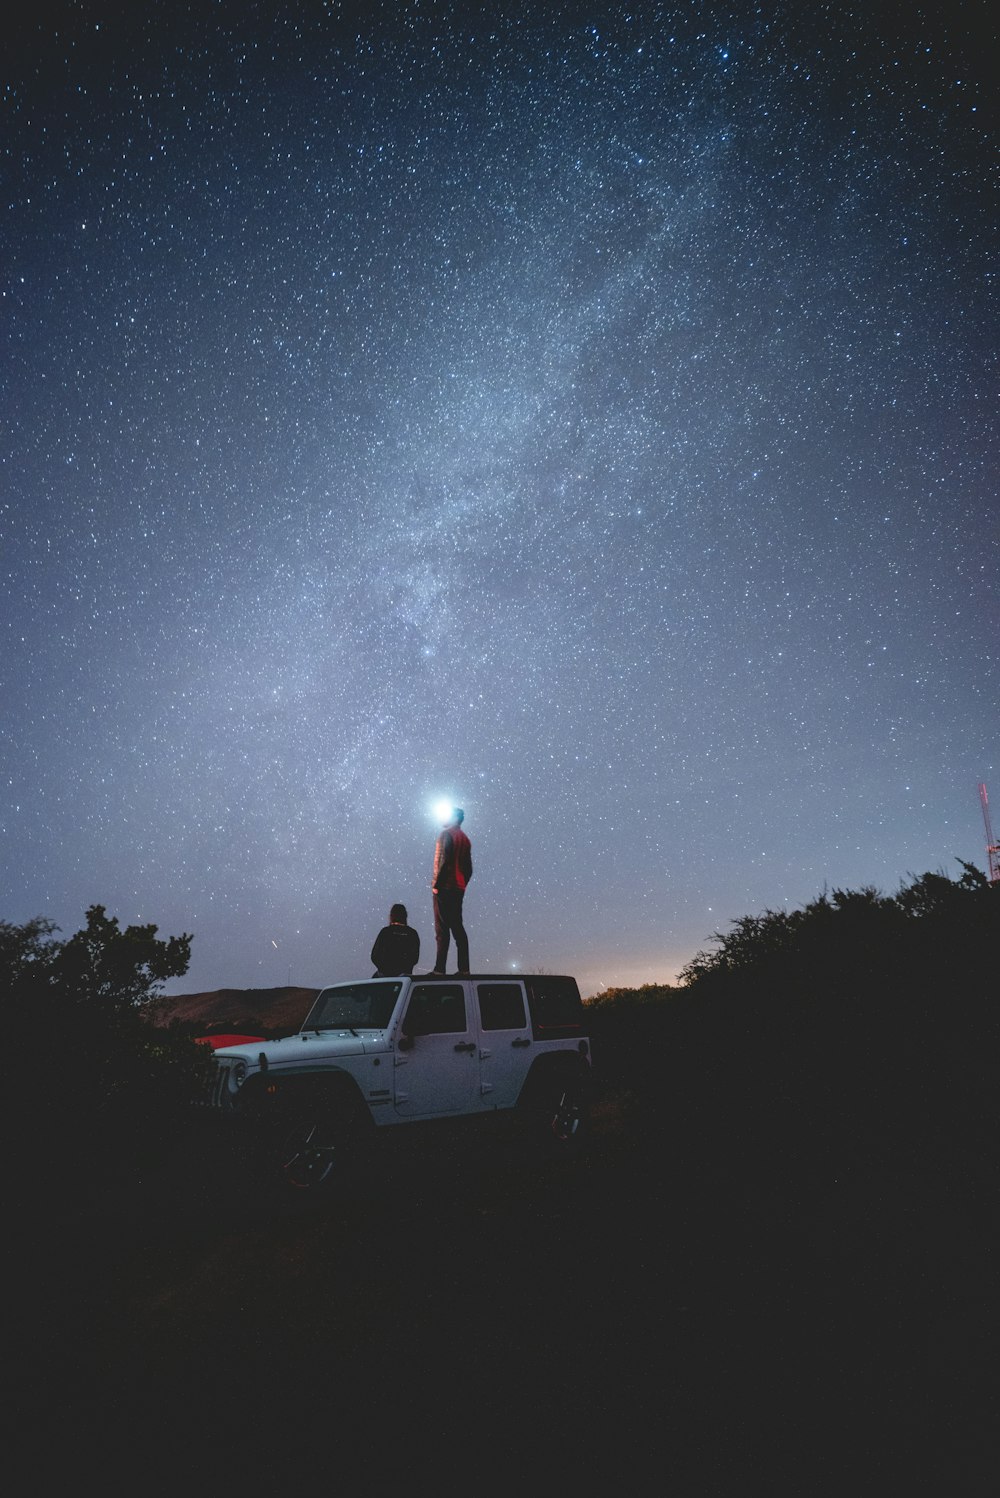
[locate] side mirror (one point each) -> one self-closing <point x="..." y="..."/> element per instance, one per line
<point x="405" y="1042"/>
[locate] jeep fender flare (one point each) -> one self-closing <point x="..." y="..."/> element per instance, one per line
<point x="330" y="1092"/>
<point x="555" y="1069"/>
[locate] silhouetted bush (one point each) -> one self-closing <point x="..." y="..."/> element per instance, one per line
<point x="818" y="1027"/>
<point x="934" y="931"/>
<point x="630" y="1028"/>
<point x="93" y="1084"/>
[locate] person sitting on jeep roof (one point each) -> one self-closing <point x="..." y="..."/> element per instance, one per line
<point x="397" y="946"/>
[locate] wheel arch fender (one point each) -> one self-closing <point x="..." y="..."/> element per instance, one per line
<point x="329" y="1089"/>
<point x="555" y="1068"/>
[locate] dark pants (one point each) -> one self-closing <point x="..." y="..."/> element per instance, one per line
<point x="448" y="923"/>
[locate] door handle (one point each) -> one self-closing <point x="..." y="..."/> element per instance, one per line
<point x="522" y="1040"/>
<point x="466" y="1045"/>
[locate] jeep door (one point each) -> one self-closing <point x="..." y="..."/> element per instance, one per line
<point x="436" y="1062"/>
<point x="505" y="1042"/>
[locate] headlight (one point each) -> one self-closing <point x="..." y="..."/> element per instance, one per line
<point x="238" y="1074"/>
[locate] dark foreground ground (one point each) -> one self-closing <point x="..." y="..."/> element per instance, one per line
<point x="686" y="1305"/>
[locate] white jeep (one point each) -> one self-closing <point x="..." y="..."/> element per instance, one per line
<point x="383" y="1052"/>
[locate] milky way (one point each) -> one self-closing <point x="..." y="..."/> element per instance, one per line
<point x="589" y="415"/>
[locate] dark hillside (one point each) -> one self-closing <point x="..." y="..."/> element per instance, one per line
<point x="259" y="1011"/>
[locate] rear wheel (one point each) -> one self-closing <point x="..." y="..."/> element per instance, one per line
<point x="568" y="1117"/>
<point x="560" y="1113"/>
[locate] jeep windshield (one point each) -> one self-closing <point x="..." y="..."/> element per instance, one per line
<point x="353" y="1006"/>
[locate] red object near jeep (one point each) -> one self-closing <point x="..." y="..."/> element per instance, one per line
<point x="218" y="1041"/>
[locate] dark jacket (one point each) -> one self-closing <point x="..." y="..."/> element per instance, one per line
<point x="395" y="951"/>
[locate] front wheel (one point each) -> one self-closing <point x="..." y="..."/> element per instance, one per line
<point x="312" y="1154"/>
<point x="312" y="1148"/>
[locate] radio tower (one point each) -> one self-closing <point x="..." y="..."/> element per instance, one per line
<point x="992" y="848"/>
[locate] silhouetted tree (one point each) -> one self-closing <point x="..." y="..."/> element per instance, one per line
<point x="86" y="1070"/>
<point x="810" y="1028"/>
<point x="933" y="931"/>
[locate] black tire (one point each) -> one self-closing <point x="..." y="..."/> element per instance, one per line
<point x="560" y="1115"/>
<point x="312" y="1153"/>
<point x="315" y="1147"/>
<point x="568" y="1118"/>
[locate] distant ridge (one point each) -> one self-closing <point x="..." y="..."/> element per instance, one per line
<point x="249" y="1010"/>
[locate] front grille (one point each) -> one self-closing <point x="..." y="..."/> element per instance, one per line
<point x="214" y="1091"/>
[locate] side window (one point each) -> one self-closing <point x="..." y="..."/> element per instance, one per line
<point x="556" y="1010"/>
<point x="501" y="1006"/>
<point x="436" y="1009"/>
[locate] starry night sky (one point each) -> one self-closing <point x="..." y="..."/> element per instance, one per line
<point x="585" y="412"/>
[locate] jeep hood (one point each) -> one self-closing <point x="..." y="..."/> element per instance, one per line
<point x="310" y="1045"/>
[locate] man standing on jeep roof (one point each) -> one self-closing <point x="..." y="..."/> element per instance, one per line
<point x="452" y="872"/>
